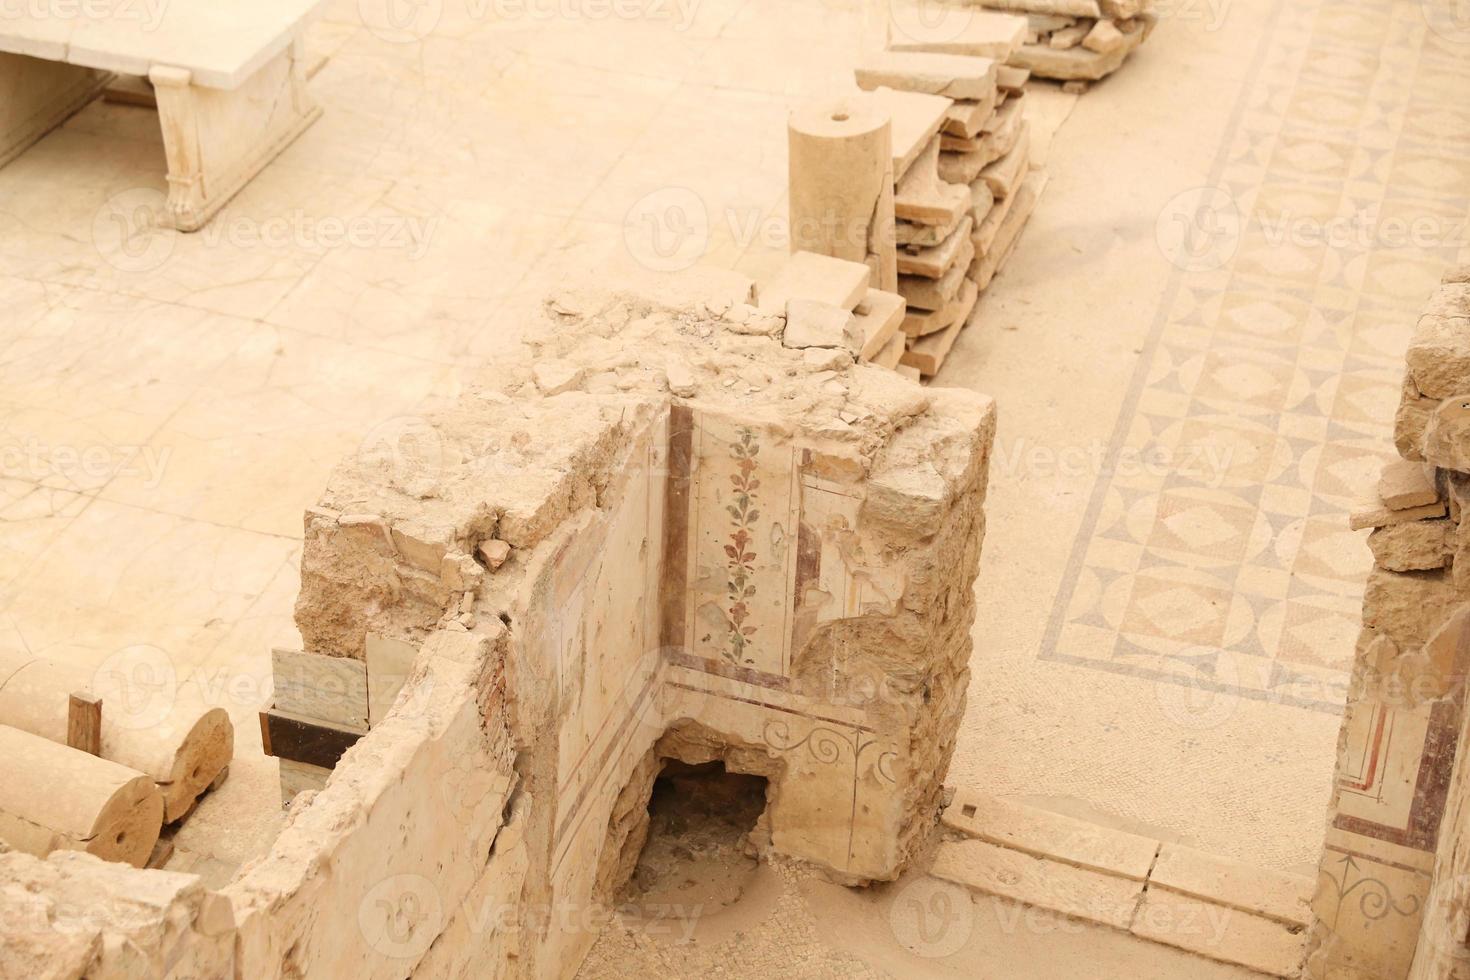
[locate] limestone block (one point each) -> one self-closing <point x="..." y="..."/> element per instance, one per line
<point x="1446" y="441"/>
<point x="935" y="261"/>
<point x="1104" y="38"/>
<point x="1438" y="357"/>
<point x="879" y="316"/>
<point x="966" y="118"/>
<point x="926" y="236"/>
<point x="1068" y="37"/>
<point x="922" y="197"/>
<point x="1412" y="419"/>
<point x="810" y="323"/>
<point x="1042" y="833"/>
<point x="1413" y="546"/>
<point x="985" y="268"/>
<point x="320" y="688"/>
<point x="916" y="121"/>
<point x="1083" y="894"/>
<point x="1407" y="606"/>
<point x="1220" y="933"/>
<point x="934" y="294"/>
<point x="1259" y="891"/>
<point x="950" y="75"/>
<point x="927" y="353"/>
<point x="1376" y="514"/>
<point x="1078" y="63"/>
<point x="1404" y="483"/>
<point x="1004" y="176"/>
<point x="807" y="275"/>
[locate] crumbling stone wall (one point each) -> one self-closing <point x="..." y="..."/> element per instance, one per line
<point x="674" y="532"/>
<point x="1393" y="854"/>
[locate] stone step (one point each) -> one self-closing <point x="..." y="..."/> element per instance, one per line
<point x="1163" y="892"/>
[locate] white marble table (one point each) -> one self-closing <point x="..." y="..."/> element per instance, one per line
<point x="228" y="75"/>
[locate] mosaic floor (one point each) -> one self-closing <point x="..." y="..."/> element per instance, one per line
<point x="1230" y="333"/>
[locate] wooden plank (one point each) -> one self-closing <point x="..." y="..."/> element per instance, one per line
<point x="303" y="741"/>
<point x="84" y="723"/>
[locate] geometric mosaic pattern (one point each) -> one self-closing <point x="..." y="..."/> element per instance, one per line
<point x="1265" y="393"/>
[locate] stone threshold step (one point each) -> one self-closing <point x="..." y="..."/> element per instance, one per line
<point x="1159" y="891"/>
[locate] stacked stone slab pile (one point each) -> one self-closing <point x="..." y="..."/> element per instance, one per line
<point x="964" y="187"/>
<point x="1078" y="41"/>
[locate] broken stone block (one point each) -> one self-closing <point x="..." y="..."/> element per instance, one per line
<point x="1404" y="483"/>
<point x="1068" y="37"/>
<point x="810" y="323"/>
<point x="1407" y="607"/>
<point x="822" y="278"/>
<point x="1378" y="515"/>
<point x="1012" y="79"/>
<point x="878" y="316"/>
<point x="1439" y="355"/>
<point x="964" y="120"/>
<point x="1413" y="546"/>
<point x="923" y="198"/>
<point x="934" y="262"/>
<point x="892" y="353"/>
<point x="1078" y="63"/>
<point x="986" y="266"/>
<point x="1104" y="38"/>
<point x="1446" y="441"/>
<point x="1004" y="176"/>
<point x="493" y="553"/>
<point x="963" y="167"/>
<point x="925" y="236"/>
<point x="933" y="294"/>
<point x="916" y="119"/>
<point x="1412" y="419"/>
<point x="950" y="75"/>
<point x="927" y="353"/>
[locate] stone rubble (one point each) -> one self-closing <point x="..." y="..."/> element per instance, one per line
<point x="1078" y="41"/>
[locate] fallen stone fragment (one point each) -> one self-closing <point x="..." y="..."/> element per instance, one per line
<point x="1446" y="440"/>
<point x="879" y="317"/>
<point x="1404" y="483"/>
<point x="1005" y="175"/>
<point x="1068" y="37"/>
<point x="966" y="119"/>
<point x="494" y="552"/>
<point x="810" y="323"/>
<point x="1104" y="38"/>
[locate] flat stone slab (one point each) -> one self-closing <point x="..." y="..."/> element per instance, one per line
<point x="1220" y="933"/>
<point x="807" y="275"/>
<point x="219" y="42"/>
<point x="878" y="318"/>
<point x="916" y="119"/>
<point x="934" y="261"/>
<point x="954" y="76"/>
<point x="968" y="31"/>
<point x="1082" y="894"/>
<point x="1259" y="891"/>
<point x="1404" y="483"/>
<point x="1046" y="834"/>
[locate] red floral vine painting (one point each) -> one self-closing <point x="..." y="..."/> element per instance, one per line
<point x="740" y="587"/>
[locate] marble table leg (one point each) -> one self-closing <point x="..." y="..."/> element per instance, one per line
<point x="217" y="139"/>
<point x="36" y="96"/>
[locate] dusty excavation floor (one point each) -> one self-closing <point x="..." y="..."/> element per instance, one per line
<point x="1168" y="592"/>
